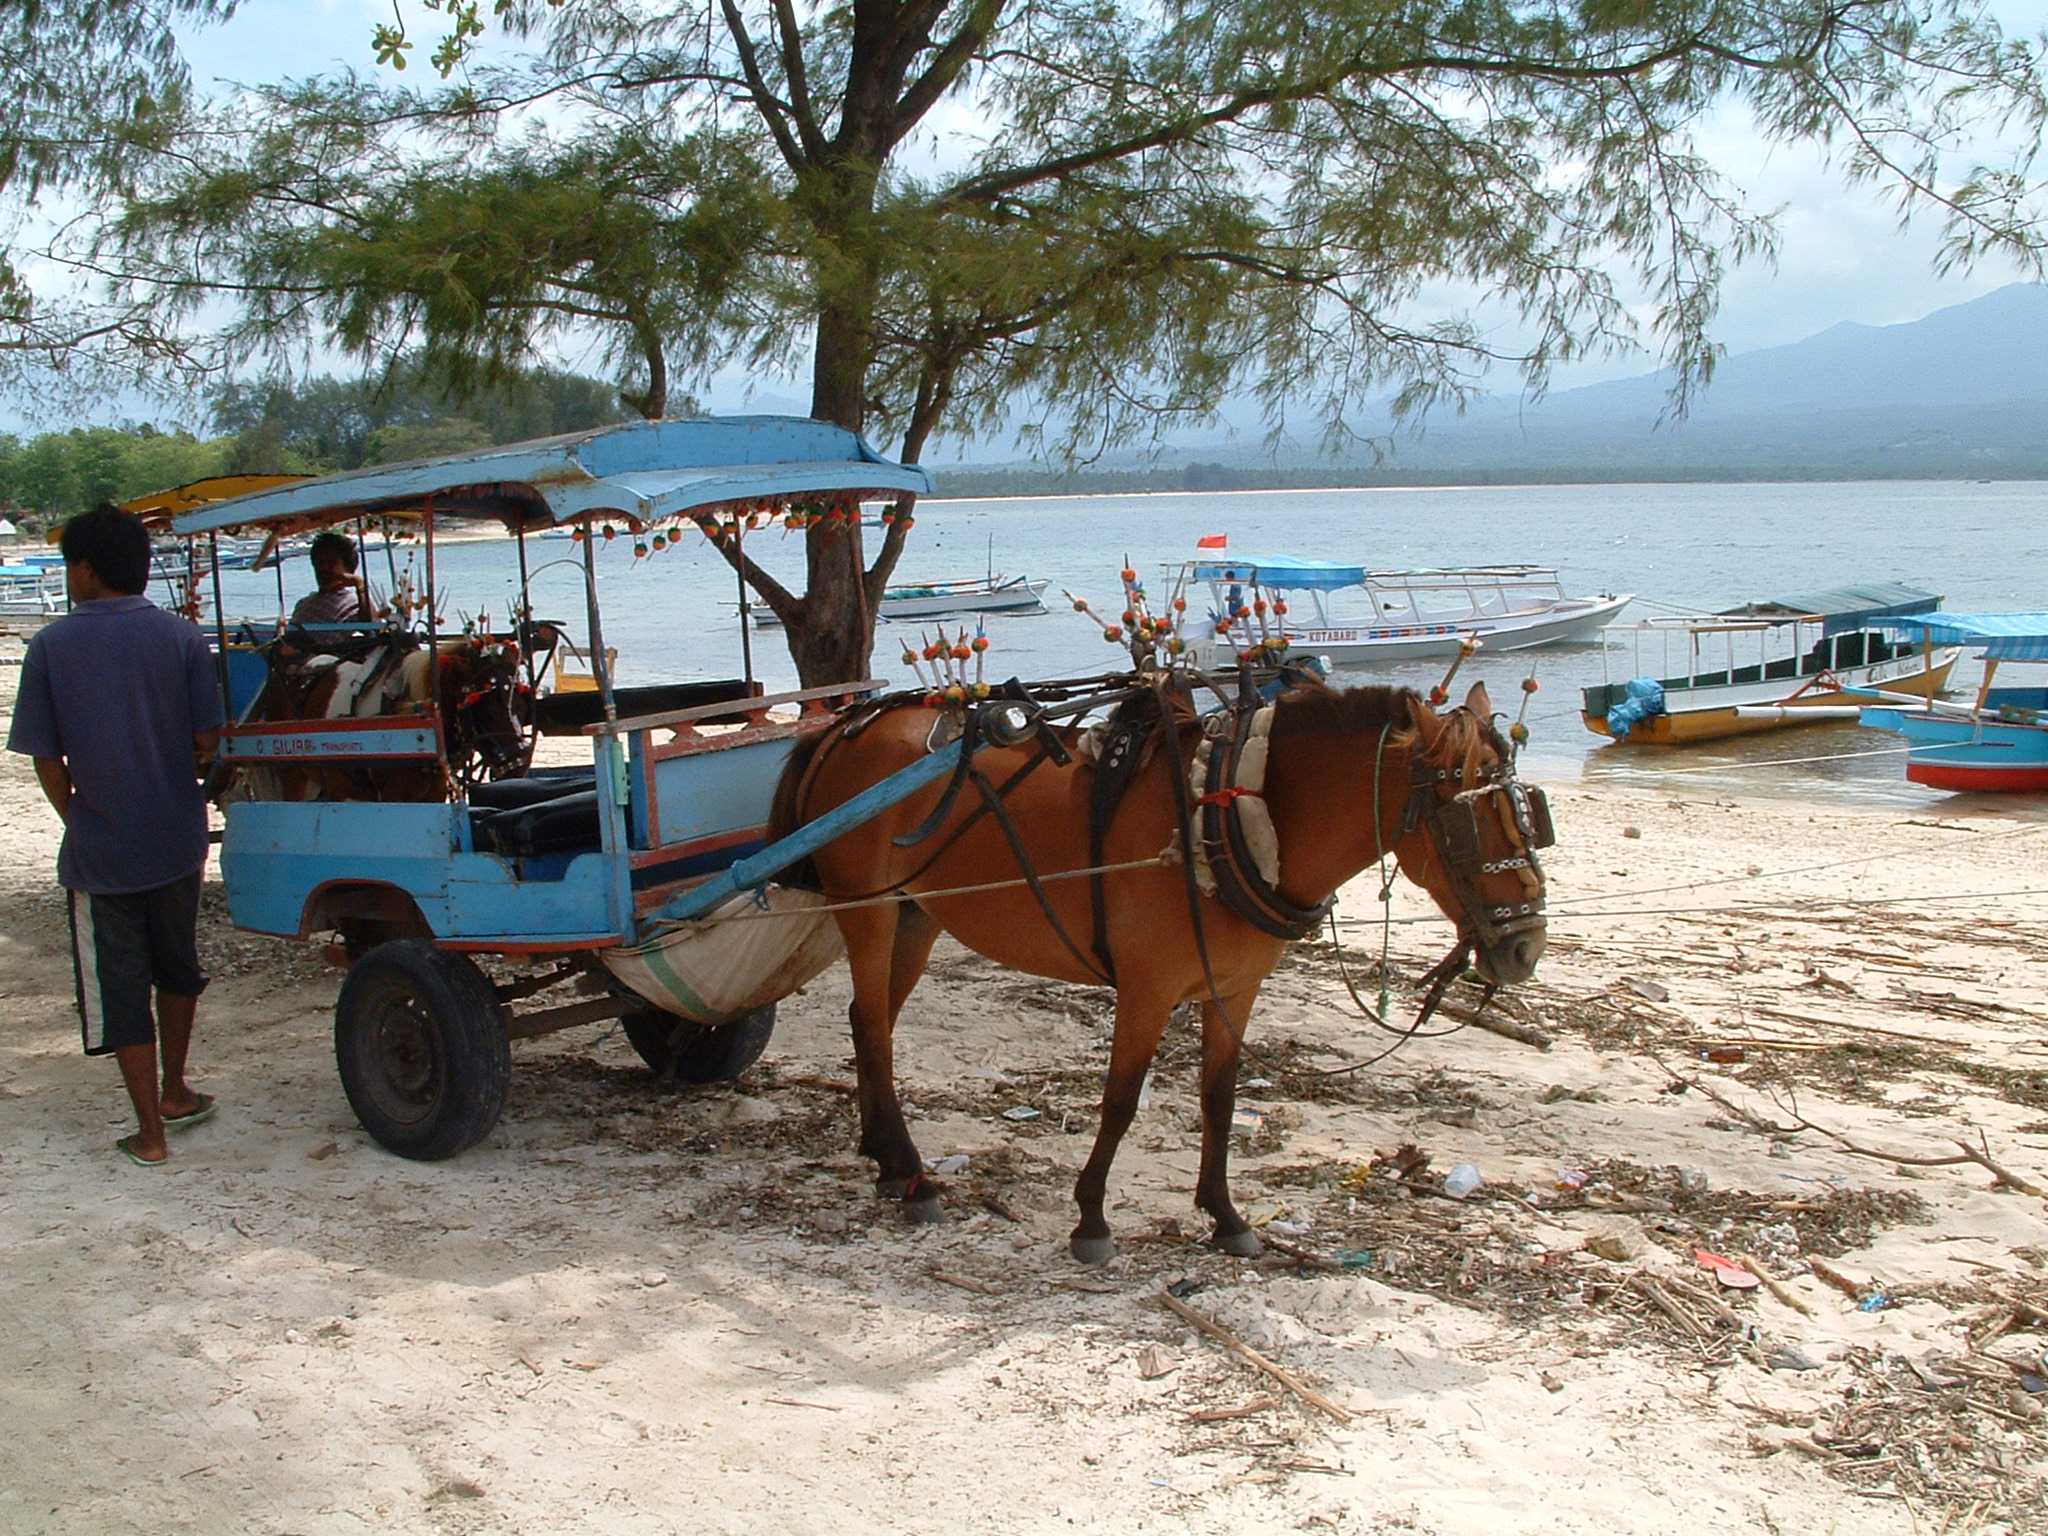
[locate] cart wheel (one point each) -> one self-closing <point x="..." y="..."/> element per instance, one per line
<point x="680" y="1051"/>
<point x="422" y="1050"/>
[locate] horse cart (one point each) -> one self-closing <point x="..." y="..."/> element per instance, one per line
<point x="380" y="785"/>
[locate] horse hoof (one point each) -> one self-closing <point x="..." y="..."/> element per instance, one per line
<point x="1241" y="1245"/>
<point x="1092" y="1250"/>
<point x="925" y="1211"/>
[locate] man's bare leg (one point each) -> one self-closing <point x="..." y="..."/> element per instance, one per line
<point x="138" y="1072"/>
<point x="174" y="1016"/>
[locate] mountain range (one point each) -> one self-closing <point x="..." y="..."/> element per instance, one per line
<point x="1962" y="392"/>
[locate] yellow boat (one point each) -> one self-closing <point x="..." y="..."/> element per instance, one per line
<point x="1762" y="667"/>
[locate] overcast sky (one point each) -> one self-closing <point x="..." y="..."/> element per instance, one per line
<point x="1842" y="256"/>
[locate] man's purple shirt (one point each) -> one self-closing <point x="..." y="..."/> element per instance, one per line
<point x="118" y="688"/>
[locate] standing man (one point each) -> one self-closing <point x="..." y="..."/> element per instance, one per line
<point x="119" y="701"/>
<point x="340" y="595"/>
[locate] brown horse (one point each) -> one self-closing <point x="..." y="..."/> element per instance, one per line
<point x="1350" y="776"/>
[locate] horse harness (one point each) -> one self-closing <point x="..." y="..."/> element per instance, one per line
<point x="1454" y="830"/>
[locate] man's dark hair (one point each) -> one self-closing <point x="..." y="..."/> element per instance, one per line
<point x="340" y="545"/>
<point x="114" y="543"/>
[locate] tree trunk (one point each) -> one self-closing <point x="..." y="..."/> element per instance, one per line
<point x="834" y="633"/>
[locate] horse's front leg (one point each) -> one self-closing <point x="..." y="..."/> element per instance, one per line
<point x="1140" y="1020"/>
<point x="887" y="948"/>
<point x="1222" y="1039"/>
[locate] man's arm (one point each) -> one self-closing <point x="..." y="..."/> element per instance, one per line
<point x="56" y="781"/>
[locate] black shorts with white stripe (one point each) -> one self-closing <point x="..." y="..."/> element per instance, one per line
<point x="122" y="947"/>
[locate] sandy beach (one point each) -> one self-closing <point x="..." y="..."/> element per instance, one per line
<point x="1770" y="1024"/>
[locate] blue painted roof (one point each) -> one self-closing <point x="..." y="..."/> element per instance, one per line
<point x="2001" y="636"/>
<point x="1283" y="571"/>
<point x="644" y="470"/>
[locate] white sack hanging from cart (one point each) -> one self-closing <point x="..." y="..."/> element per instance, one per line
<point x="736" y="960"/>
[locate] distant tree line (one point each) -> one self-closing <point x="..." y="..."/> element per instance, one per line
<point x="322" y="426"/>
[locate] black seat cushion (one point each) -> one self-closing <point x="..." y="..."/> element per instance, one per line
<point x="563" y="713"/>
<point x="511" y="794"/>
<point x="564" y="824"/>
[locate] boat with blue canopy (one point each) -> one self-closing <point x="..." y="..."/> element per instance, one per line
<point x="1761" y="666"/>
<point x="1997" y="742"/>
<point x="1409" y="614"/>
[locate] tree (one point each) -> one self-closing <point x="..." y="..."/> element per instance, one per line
<point x="329" y="423"/>
<point x="1109" y="214"/>
<point x="88" y="88"/>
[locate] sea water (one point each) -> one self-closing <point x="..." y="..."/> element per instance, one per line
<point x="1693" y="546"/>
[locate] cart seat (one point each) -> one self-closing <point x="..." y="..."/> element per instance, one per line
<point x="513" y="794"/>
<point x="563" y="714"/>
<point x="564" y="824"/>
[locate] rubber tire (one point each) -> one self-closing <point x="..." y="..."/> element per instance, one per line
<point x="708" y="1053"/>
<point x="438" y="1087"/>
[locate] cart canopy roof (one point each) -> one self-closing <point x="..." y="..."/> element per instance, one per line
<point x="645" y="471"/>
<point x="2001" y="636"/>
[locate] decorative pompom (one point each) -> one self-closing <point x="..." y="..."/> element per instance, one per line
<point x="980" y="644"/>
<point x="1114" y="634"/>
<point x="1518" y="733"/>
<point x="1530" y="685"/>
<point x="1437" y="695"/>
<point x="610" y="533"/>
<point x="1128" y="574"/>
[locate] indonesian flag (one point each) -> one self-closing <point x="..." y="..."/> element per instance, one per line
<point x="1213" y="541"/>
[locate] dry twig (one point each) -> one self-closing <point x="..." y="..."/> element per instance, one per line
<point x="1237" y="1346"/>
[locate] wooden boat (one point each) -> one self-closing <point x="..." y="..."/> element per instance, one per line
<point x="1411" y="615"/>
<point x="1763" y="666"/>
<point x="1999" y="741"/>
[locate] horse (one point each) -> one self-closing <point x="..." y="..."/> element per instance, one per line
<point x="1351" y="778"/>
<point x="484" y="704"/>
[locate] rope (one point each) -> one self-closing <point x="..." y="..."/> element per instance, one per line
<point x="889" y="898"/>
<point x="1774" y="762"/>
<point x="1814" y="903"/>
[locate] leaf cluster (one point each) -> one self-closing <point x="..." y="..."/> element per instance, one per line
<point x="1081" y="219"/>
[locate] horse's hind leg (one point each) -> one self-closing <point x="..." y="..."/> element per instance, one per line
<point x="1222" y="1038"/>
<point x="1140" y="1020"/>
<point x="887" y="948"/>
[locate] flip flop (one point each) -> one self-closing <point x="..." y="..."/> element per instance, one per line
<point x="126" y="1147"/>
<point x="201" y="1112"/>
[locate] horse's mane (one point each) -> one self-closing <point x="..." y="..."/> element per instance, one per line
<point x="1317" y="710"/>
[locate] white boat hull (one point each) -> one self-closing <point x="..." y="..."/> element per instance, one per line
<point x="1021" y="597"/>
<point x="1579" y="618"/>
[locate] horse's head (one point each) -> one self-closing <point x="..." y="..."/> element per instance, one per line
<point x="1469" y="830"/>
<point x="483" y="698"/>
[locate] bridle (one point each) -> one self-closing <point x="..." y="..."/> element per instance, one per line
<point x="1453" y="825"/>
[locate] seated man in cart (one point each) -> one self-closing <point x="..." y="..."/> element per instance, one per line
<point x="341" y="594"/>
